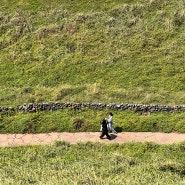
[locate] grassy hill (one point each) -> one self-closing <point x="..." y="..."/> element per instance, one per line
<point x="122" y="51"/>
<point x="91" y="51"/>
<point x="89" y="163"/>
<point x="97" y="51"/>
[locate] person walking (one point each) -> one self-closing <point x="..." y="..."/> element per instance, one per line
<point x="110" y="122"/>
<point x="104" y="130"/>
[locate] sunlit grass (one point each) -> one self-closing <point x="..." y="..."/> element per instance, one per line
<point x="88" y="163"/>
<point x="65" y="120"/>
<point x="121" y="51"/>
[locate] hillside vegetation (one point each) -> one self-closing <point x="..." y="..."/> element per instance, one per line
<point x="124" y="51"/>
<point x="93" y="163"/>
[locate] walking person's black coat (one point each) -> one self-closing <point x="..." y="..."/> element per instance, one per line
<point x="104" y="129"/>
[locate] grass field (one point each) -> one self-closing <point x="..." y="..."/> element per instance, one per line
<point x="66" y="120"/>
<point x="92" y="51"/>
<point x="88" y="163"/>
<point x="121" y="51"/>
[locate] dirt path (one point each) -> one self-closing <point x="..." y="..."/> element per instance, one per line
<point x="49" y="138"/>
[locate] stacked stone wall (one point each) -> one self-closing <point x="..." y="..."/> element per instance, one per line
<point x="143" y="108"/>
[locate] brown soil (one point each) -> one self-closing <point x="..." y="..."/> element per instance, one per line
<point x="123" y="137"/>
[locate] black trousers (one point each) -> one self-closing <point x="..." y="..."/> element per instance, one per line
<point x="105" y="132"/>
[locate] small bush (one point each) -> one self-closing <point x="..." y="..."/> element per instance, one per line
<point x="78" y="124"/>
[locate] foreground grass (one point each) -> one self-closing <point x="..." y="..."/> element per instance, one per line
<point x="88" y="163"/>
<point x="86" y="120"/>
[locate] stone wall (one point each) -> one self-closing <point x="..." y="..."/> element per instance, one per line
<point x="142" y="108"/>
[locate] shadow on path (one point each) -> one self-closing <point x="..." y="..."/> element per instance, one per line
<point x="113" y="136"/>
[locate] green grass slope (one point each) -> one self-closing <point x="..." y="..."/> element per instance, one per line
<point x="88" y="163"/>
<point x="87" y="120"/>
<point x="96" y="51"/>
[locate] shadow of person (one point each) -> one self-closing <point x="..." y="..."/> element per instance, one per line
<point x="118" y="129"/>
<point x="113" y="136"/>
